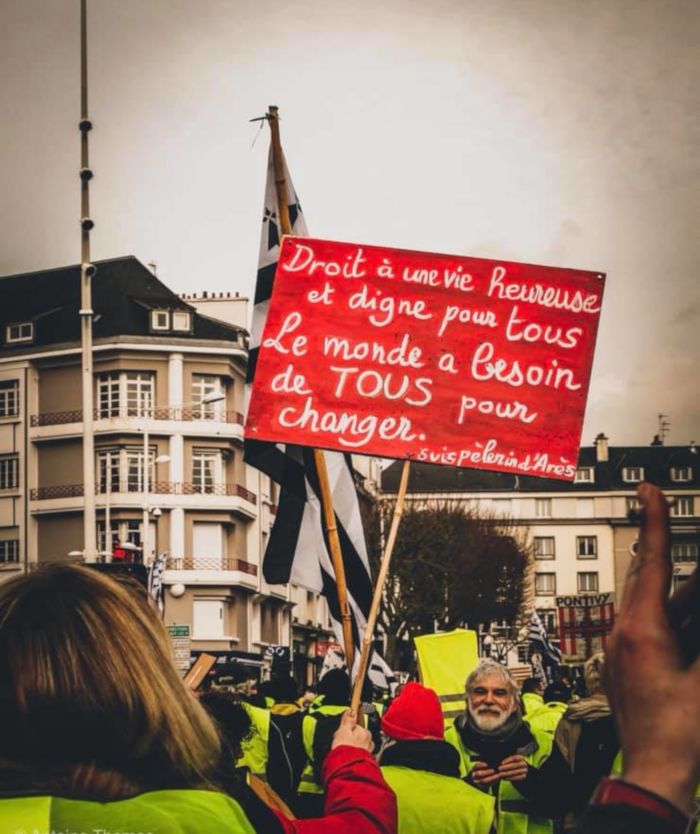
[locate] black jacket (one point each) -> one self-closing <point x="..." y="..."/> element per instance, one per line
<point x="548" y="787"/>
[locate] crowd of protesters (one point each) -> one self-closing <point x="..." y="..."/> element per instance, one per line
<point x="99" y="732"/>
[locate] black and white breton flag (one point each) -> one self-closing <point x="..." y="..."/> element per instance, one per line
<point x="156" y="587"/>
<point x="540" y="642"/>
<point x="298" y="549"/>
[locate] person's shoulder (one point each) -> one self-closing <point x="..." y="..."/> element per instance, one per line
<point x="423" y="784"/>
<point x="175" y="811"/>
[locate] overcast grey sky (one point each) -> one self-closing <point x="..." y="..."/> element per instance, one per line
<point x="562" y="132"/>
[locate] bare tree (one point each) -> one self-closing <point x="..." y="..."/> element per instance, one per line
<point x="451" y="567"/>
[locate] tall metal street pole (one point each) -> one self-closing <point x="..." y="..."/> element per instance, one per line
<point x="145" y="536"/>
<point x="109" y="543"/>
<point x="87" y="270"/>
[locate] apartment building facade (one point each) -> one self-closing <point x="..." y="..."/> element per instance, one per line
<point x="581" y="535"/>
<point x="168" y="388"/>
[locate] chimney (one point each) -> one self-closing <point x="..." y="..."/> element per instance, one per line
<point x="601" y="448"/>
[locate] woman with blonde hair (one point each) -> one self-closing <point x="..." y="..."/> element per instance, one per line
<point x="99" y="731"/>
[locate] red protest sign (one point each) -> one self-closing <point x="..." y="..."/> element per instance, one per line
<point x="440" y="358"/>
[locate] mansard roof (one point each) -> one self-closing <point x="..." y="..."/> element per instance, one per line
<point x="124" y="292"/>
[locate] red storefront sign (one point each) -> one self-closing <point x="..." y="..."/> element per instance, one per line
<point x="584" y="629"/>
<point x="443" y="359"/>
<point x="322" y="647"/>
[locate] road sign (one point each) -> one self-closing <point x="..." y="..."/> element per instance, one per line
<point x="181" y="643"/>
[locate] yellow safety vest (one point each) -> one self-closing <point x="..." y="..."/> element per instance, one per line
<point x="532" y="701"/>
<point x="316" y="704"/>
<point x="285" y="709"/>
<point x="158" y="812"/>
<point x="308" y="783"/>
<point x="547" y="717"/>
<point x="256" y="749"/>
<point x="513" y="809"/>
<point x="432" y="802"/>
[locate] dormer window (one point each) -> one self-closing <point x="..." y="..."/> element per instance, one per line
<point x="681" y="474"/>
<point x="182" y="321"/>
<point x="585" y="475"/>
<point x="160" y="319"/>
<point x="19" y="332"/>
<point x="633" y="474"/>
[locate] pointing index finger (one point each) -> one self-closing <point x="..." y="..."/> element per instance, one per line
<point x="649" y="577"/>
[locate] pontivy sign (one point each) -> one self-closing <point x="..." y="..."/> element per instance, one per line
<point x="437" y="358"/>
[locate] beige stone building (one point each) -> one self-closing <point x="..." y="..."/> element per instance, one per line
<point x="581" y="534"/>
<point x="168" y="387"/>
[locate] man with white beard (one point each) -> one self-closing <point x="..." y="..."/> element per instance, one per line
<point x="501" y="755"/>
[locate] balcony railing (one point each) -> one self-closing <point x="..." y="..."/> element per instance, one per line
<point x="63" y="491"/>
<point x="58" y="418"/>
<point x="203" y="563"/>
<point x="176" y="488"/>
<point x="155" y="488"/>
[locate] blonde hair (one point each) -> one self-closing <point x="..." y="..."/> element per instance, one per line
<point x="88" y="685"/>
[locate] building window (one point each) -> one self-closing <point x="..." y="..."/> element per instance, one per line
<point x="680" y="474"/>
<point x="9" y="552"/>
<point x="684" y="506"/>
<point x="208" y="619"/>
<point x="109" y="470"/>
<point x="587" y="582"/>
<point x="9" y="472"/>
<point x="545" y="584"/>
<point x="586" y="547"/>
<point x="632" y="505"/>
<point x="585" y="508"/>
<point x="20" y="332"/>
<point x="125" y="467"/>
<point x="123" y="531"/>
<point x="685" y="552"/>
<point x="269" y="623"/>
<point x="523" y="650"/>
<point x="9" y="398"/>
<point x="544" y="547"/>
<point x="584" y="475"/>
<point x="139" y="393"/>
<point x="134" y="469"/>
<point x="129" y="393"/>
<point x="632" y="474"/>
<point x="182" y="321"/>
<point x="543" y="507"/>
<point x="207" y="386"/>
<point x="207" y="470"/>
<point x="108" y="395"/>
<point x="549" y="619"/>
<point x="502" y="507"/>
<point x="160" y="320"/>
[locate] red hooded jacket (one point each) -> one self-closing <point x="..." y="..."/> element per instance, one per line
<point x="358" y="800"/>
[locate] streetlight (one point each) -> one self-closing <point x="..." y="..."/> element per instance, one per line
<point x="213" y="397"/>
<point x="208" y="399"/>
<point x="146" y="508"/>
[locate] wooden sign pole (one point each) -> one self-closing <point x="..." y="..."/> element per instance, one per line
<point x="319" y="459"/>
<point x="379" y="588"/>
